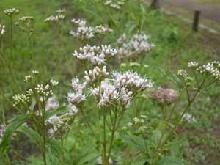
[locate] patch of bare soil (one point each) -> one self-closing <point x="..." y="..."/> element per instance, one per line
<point x="209" y="11"/>
<point x="211" y="42"/>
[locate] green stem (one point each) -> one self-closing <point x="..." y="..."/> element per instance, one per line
<point x="113" y="130"/>
<point x="190" y="102"/>
<point x="44" y="135"/>
<point x="62" y="143"/>
<point x="11" y="33"/>
<point x="3" y="115"/>
<point x="104" y="154"/>
<point x="86" y="120"/>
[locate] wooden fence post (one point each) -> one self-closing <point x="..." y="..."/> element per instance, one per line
<point x="155" y="4"/>
<point x="196" y="20"/>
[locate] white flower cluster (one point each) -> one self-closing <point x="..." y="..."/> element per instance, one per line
<point x="20" y="99"/>
<point x="60" y="11"/>
<point x="100" y="29"/>
<point x="192" y="64"/>
<point x="85" y="31"/>
<point x="35" y="72"/>
<point x="44" y="90"/>
<point x="107" y="93"/>
<point x="2" y="29"/>
<point x="96" y="74"/>
<point x="2" y="130"/>
<point x="99" y="161"/>
<point x="136" y="45"/>
<point x="58" y="122"/>
<point x="131" y="80"/>
<point x="55" y="18"/>
<point x="77" y="96"/>
<point x="212" y="69"/>
<point x="182" y="73"/>
<point x="40" y="90"/>
<point x="30" y="77"/>
<point x="97" y="55"/>
<point x="27" y="19"/>
<point x="137" y="123"/>
<point x="54" y="82"/>
<point x="11" y="11"/>
<point x="116" y="4"/>
<point x="77" y="85"/>
<point x="120" y="89"/>
<point x="189" y="118"/>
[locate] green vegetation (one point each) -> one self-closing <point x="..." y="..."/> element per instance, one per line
<point x="48" y="47"/>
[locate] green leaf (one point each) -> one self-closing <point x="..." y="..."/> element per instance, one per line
<point x="55" y="112"/>
<point x="141" y="160"/>
<point x="156" y="136"/>
<point x="87" y="155"/>
<point x="10" y="129"/>
<point x="55" y="151"/>
<point x="170" y="160"/>
<point x="32" y="134"/>
<point x="88" y="158"/>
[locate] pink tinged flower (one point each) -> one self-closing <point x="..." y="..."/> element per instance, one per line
<point x="75" y="97"/>
<point x="52" y="104"/>
<point x="165" y="96"/>
<point x="72" y="109"/>
<point x="77" y="85"/>
<point x="97" y="55"/>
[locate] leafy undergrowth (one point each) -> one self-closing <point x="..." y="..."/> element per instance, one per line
<point x="49" y="50"/>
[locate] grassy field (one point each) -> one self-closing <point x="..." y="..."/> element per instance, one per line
<point x="49" y="47"/>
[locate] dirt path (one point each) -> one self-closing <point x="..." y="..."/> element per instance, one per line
<point x="209" y="11"/>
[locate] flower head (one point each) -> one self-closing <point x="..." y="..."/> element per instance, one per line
<point x="96" y="74"/>
<point x="55" y="18"/>
<point x="164" y="96"/>
<point x="26" y="19"/>
<point x="211" y="69"/>
<point x="2" y="29"/>
<point x="60" y="11"/>
<point x="61" y="123"/>
<point x="115" y="4"/>
<point x="84" y="31"/>
<point x="11" y="11"/>
<point x="192" y="64"/>
<point x="188" y="117"/>
<point x="136" y="45"/>
<point x="97" y="55"/>
<point x="52" y="103"/>
<point x="54" y="82"/>
<point x="131" y="80"/>
<point x="77" y="95"/>
<point x="20" y="99"/>
<point x="120" y="89"/>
